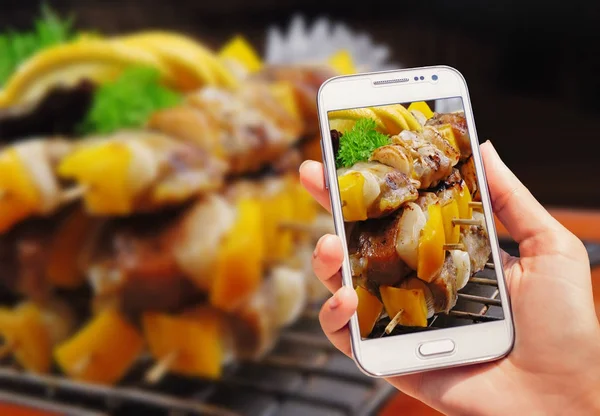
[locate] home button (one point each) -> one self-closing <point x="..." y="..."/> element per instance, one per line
<point x="433" y="348"/>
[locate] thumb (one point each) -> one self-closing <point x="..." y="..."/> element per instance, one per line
<point x="516" y="208"/>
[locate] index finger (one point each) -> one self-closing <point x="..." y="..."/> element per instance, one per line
<point x="312" y="178"/>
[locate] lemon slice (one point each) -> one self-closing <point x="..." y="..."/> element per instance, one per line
<point x="186" y="56"/>
<point x="342" y="62"/>
<point x="392" y="119"/>
<point x="239" y="50"/>
<point x="357" y="113"/>
<point x="413" y="124"/>
<point x="97" y="60"/>
<point x="422" y="107"/>
<point x="341" y="125"/>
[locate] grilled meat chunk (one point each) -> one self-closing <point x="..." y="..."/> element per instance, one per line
<point x="443" y="288"/>
<point x="458" y="122"/>
<point x="373" y="252"/>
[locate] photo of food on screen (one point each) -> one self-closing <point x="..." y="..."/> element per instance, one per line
<point x="414" y="223"/>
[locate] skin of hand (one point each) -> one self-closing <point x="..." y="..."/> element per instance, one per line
<point x="554" y="367"/>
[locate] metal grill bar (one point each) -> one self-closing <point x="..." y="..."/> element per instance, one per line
<point x="285" y="393"/>
<point x="484" y="281"/>
<point x="480" y="299"/>
<point x="119" y="394"/>
<point x="291" y="363"/>
<point x="308" y="340"/>
<point x="474" y="316"/>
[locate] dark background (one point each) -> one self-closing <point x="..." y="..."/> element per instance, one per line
<point x="532" y="67"/>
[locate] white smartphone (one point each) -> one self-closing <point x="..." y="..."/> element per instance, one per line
<point x="409" y="198"/>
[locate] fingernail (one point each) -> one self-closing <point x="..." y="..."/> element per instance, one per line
<point x="316" y="251"/>
<point x="303" y="163"/>
<point x="319" y="244"/>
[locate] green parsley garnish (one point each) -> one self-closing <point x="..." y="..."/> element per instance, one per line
<point x="16" y="47"/>
<point x="128" y="101"/>
<point x="358" y="144"/>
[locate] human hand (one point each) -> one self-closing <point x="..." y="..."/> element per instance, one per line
<point x="554" y="367"/>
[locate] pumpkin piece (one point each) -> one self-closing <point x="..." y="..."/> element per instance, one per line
<point x="192" y="343"/>
<point x="410" y="301"/>
<point x="239" y="265"/>
<point x="102" y="351"/>
<point x="368" y="310"/>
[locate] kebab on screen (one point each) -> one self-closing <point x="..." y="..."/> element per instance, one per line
<point x="415" y="230"/>
<point x="165" y="218"/>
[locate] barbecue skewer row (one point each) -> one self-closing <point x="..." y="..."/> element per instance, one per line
<point x="201" y="340"/>
<point x="218" y="133"/>
<point x="221" y="245"/>
<point x="394" y="173"/>
<point x="197" y="342"/>
<point x="417" y="259"/>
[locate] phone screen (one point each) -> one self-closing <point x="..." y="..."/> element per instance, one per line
<point x="418" y="246"/>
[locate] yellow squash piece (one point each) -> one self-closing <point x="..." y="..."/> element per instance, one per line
<point x="422" y="107"/>
<point x="102" y="351"/>
<point x="392" y="119"/>
<point x="412" y="122"/>
<point x="368" y="310"/>
<point x="354" y="114"/>
<point x="278" y="209"/>
<point x="192" y="344"/>
<point x="63" y="268"/>
<point x="285" y="94"/>
<point x="431" y="245"/>
<point x="103" y="170"/>
<point x="449" y="213"/>
<point x="19" y="195"/>
<point x="463" y="198"/>
<point x="240" y="260"/>
<point x="98" y="60"/>
<point x="446" y="131"/>
<point x="342" y="63"/>
<point x="238" y="49"/>
<point x="24" y="332"/>
<point x="351" y="187"/>
<point x="410" y="301"/>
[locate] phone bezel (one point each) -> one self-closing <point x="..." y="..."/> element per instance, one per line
<point x="398" y="355"/>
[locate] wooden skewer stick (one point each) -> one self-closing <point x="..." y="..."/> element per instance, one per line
<point x="161" y="368"/>
<point x="394" y="322"/>
<point x="73" y="193"/>
<point x="82" y="364"/>
<point x="476" y="205"/>
<point x="490" y="265"/>
<point x="459" y="246"/>
<point x="460" y="221"/>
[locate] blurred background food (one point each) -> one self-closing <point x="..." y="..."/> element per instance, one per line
<point x="155" y="240"/>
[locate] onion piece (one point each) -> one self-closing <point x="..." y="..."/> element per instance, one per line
<point x="290" y="291"/>
<point x="409" y="231"/>
<point x="199" y="236"/>
<point x="34" y="155"/>
<point x="462" y="262"/>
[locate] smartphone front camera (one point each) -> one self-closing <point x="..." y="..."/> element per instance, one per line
<point x="434" y="77"/>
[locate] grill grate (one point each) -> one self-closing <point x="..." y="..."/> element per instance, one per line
<point x="303" y="375"/>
